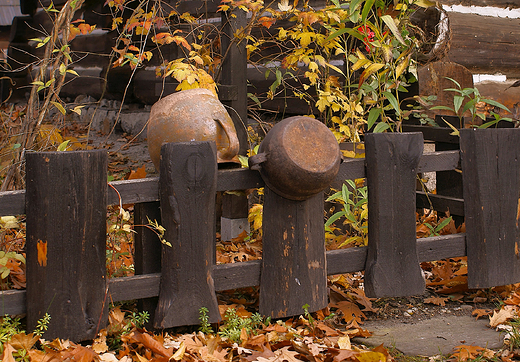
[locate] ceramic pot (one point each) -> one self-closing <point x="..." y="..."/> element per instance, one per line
<point x="191" y="115"/>
<point x="298" y="158"/>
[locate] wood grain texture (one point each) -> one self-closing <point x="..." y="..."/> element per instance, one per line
<point x="491" y="173"/>
<point x="293" y="259"/>
<point x="188" y="182"/>
<point x="66" y="211"/>
<point x="392" y="267"/>
<point x="485" y="44"/>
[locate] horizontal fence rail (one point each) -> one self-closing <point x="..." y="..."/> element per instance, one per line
<point x="147" y="189"/>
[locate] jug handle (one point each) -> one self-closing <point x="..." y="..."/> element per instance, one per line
<point x="234" y="146"/>
<point x="255" y="161"/>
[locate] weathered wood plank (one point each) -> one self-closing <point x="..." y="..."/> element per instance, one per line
<point x="66" y="236"/>
<point x="491" y="173"/>
<point x="481" y="50"/>
<point x="188" y="185"/>
<point x="12" y="302"/>
<point x="293" y="259"/>
<point x="12" y="202"/>
<point x="392" y="267"/>
<point x="246" y="274"/>
<point x="496" y="3"/>
<point x="441" y="134"/>
<point x="147" y="189"/>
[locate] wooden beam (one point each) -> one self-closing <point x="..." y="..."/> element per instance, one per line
<point x="485" y="44"/>
<point x="495" y="3"/>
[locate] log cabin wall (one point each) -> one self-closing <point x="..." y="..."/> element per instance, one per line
<point x="485" y="39"/>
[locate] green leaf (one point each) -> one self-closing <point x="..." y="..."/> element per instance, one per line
<point x="457" y="102"/>
<point x="373" y="115"/>
<point x="63" y="145"/>
<point x="444" y="108"/>
<point x="381" y="127"/>
<point x="495" y="103"/>
<point x="354" y="5"/>
<point x="334" y="217"/>
<point x="366" y="9"/>
<point x="390" y="22"/>
<point x="441" y="226"/>
<point x="393" y="101"/>
<point x="454" y="81"/>
<point x="255" y="99"/>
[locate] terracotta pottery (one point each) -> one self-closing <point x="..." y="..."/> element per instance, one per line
<point x="191" y="115"/>
<point x="298" y="158"/>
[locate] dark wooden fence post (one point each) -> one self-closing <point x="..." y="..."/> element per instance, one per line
<point x="234" y="72"/>
<point x="392" y="268"/>
<point x="147" y="250"/>
<point x="293" y="261"/>
<point x="66" y="235"/>
<point x="491" y="174"/>
<point x="187" y="186"/>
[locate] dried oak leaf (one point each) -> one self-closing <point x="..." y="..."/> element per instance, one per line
<point x="481" y="313"/>
<point x="463" y="353"/>
<point x="436" y="300"/>
<point x="281" y="355"/>
<point x="351" y="311"/>
<point x="7" y="356"/>
<point x="149" y="342"/>
<point x="507" y="312"/>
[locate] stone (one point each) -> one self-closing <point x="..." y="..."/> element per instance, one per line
<point x="438" y="335"/>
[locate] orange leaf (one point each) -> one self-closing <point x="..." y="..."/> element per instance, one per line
<point x="42" y="252"/>
<point x="351" y="311"/>
<point x="436" y="300"/>
<point x="7" y="356"/>
<point x="267" y="21"/>
<point x="139" y="173"/>
<point x="481" y="313"/>
<point x="464" y="352"/>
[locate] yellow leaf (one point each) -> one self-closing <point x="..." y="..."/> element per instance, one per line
<point x="371" y="357"/>
<point x="60" y="107"/>
<point x="305" y="38"/>
<point x="322" y="104"/>
<point x="401" y="67"/>
<point x="361" y="63"/>
<point x="344" y="342"/>
<point x="424" y="3"/>
<point x="63" y="145"/>
<point x="179" y="354"/>
<point x="371" y="69"/>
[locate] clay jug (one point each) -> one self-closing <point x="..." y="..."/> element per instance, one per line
<point x="298" y="158"/>
<point x="191" y="115"/>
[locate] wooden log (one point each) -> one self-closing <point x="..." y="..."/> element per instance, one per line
<point x="293" y="261"/>
<point x="485" y="44"/>
<point x="491" y="174"/>
<point x="496" y="3"/>
<point x="66" y="236"/>
<point x="392" y="267"/>
<point x="147" y="249"/>
<point x="187" y="184"/>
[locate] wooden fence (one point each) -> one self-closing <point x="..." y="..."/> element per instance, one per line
<point x="67" y="195"/>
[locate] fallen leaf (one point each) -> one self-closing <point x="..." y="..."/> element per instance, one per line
<point x="507" y="312"/>
<point x="436" y="300"/>
<point x="139" y="173"/>
<point x="350" y="311"/>
<point x="7" y="356"/>
<point x="481" y="313"/>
